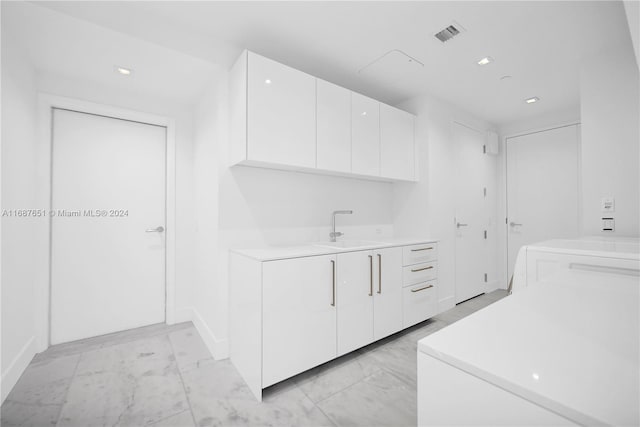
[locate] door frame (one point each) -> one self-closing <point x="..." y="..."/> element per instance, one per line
<point x="44" y="162"/>
<point x="505" y="201"/>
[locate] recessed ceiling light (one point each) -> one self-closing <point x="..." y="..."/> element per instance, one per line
<point x="364" y="113"/>
<point x="486" y="60"/>
<point x="124" y="71"/>
<point x="532" y="100"/>
<point x="267" y="81"/>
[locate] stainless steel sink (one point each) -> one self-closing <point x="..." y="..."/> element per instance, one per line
<point x="349" y="244"/>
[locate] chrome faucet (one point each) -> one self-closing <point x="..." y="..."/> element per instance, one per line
<point x="334" y="234"/>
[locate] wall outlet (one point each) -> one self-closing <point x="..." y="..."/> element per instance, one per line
<point x="608" y="204"/>
<point x="608" y="224"/>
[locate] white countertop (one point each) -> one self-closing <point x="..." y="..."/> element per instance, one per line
<point x="273" y="253"/>
<point x="570" y="345"/>
<point x="624" y="248"/>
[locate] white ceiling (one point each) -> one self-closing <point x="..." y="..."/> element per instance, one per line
<point x="539" y="44"/>
<point x="81" y="52"/>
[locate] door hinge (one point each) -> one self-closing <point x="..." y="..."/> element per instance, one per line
<point x="506" y="220"/>
<point x="485" y="234"/>
<point x="485" y="277"/>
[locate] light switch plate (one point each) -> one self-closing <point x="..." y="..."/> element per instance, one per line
<point x="608" y="224"/>
<point x="608" y="204"/>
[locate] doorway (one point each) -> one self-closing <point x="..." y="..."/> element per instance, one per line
<point x="542" y="188"/>
<point x="474" y="223"/>
<point x="108" y="220"/>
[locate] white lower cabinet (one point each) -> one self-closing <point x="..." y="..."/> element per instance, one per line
<point x="420" y="302"/>
<point x="298" y="316"/>
<point x="420" y="291"/>
<point x="290" y="315"/>
<point x="369" y="297"/>
<point x="355" y="300"/>
<point x="387" y="296"/>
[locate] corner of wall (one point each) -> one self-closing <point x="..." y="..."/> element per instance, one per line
<point x="218" y="347"/>
<point x="12" y="374"/>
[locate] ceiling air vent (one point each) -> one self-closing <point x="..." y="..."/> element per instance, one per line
<point x="450" y="32"/>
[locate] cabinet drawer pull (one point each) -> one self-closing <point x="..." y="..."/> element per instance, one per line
<point x="370" y="275"/>
<point x="422" y="269"/>
<point x="422" y="249"/>
<point x="421" y="289"/>
<point x="333" y="286"/>
<point x="379" y="273"/>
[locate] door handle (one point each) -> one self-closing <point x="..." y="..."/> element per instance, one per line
<point x="158" y="229"/>
<point x="458" y="225"/>
<point x="514" y="224"/>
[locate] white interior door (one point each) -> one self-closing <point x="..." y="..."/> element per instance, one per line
<point x="471" y="213"/>
<point x="542" y="188"/>
<point x="108" y="194"/>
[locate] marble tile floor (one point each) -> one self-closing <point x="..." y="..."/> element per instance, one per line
<point x="164" y="376"/>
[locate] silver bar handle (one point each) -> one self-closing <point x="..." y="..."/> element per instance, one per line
<point x="379" y="273"/>
<point x="421" y="269"/>
<point x="421" y="289"/>
<point x="158" y="229"/>
<point x="422" y="249"/>
<point x="370" y="275"/>
<point x="514" y="224"/>
<point x="458" y="225"/>
<point x="333" y="285"/>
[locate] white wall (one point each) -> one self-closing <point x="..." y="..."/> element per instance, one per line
<point x="207" y="292"/>
<point x="610" y="118"/>
<point x="541" y="122"/>
<point x="632" y="11"/>
<point x="428" y="208"/>
<point x="18" y="192"/>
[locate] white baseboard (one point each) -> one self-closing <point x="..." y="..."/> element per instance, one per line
<point x="12" y="374"/>
<point x="446" y="303"/>
<point x="182" y="314"/>
<point x="219" y="348"/>
<point x="491" y="286"/>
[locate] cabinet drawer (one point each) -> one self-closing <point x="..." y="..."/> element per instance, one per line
<point x="419" y="302"/>
<point x="417" y="254"/>
<point x="419" y="273"/>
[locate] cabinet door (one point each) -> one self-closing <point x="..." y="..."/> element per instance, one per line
<point x="333" y="127"/>
<point x="281" y="124"/>
<point x="397" y="153"/>
<point x="365" y="135"/>
<point x="299" y="316"/>
<point x="387" y="301"/>
<point x="355" y="300"/>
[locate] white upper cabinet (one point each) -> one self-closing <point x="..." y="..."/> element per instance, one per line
<point x="283" y="118"/>
<point x="397" y="152"/>
<point x="333" y="129"/>
<point x="281" y="114"/>
<point x="365" y="135"/>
